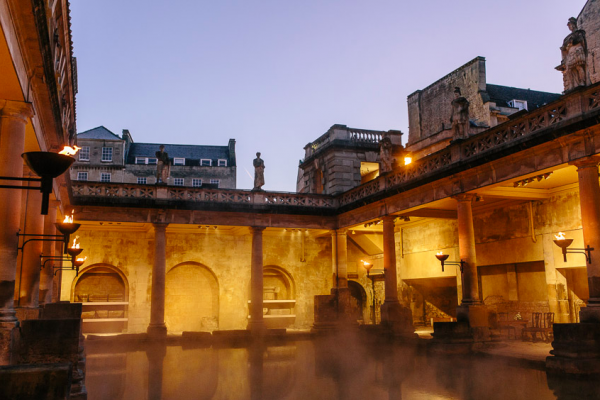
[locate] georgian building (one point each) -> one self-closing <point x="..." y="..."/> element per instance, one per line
<point x="107" y="157"/>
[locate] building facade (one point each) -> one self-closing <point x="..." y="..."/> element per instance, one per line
<point x="106" y="157"/>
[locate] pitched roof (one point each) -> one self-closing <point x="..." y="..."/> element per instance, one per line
<point x="99" y="132"/>
<point x="501" y="95"/>
<point x="189" y="152"/>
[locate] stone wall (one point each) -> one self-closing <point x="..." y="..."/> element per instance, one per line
<point x="588" y="21"/>
<point x="208" y="274"/>
<point x="429" y="109"/>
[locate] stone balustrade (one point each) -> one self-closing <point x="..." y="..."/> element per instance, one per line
<point x="549" y="122"/>
<point x="126" y="191"/>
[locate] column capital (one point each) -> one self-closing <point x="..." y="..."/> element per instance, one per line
<point x="389" y="218"/>
<point x="465" y="197"/>
<point x="257" y="229"/>
<point x="16" y="109"/>
<point x="342" y="231"/>
<point x="586" y="162"/>
<point x="160" y="226"/>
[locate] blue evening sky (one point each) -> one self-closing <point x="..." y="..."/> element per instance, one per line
<point x="276" y="74"/>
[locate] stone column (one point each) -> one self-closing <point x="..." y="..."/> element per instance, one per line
<point x="257" y="323"/>
<point x="157" y="327"/>
<point x="342" y="258"/>
<point x="333" y="259"/>
<point x="13" y="118"/>
<point x="589" y="199"/>
<point x="29" y="275"/>
<point x="47" y="274"/>
<point x="389" y="260"/>
<point x="466" y="248"/>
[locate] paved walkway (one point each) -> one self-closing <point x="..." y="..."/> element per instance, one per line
<point x="533" y="354"/>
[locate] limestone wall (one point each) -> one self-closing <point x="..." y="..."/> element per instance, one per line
<point x="588" y="21"/>
<point x="429" y="110"/>
<point x="208" y="274"/>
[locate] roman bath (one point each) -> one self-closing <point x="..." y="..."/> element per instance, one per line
<point x="460" y="260"/>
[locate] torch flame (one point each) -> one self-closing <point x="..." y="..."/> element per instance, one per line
<point x="441" y="253"/>
<point x="69" y="218"/>
<point x="70" y="151"/>
<point x="560" y="236"/>
<point x="407" y="160"/>
<point x="82" y="259"/>
<point x="75" y="243"/>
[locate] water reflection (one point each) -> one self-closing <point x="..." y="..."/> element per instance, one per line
<point x="324" y="369"/>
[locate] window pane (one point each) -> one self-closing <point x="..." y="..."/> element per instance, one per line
<point x="82" y="176"/>
<point x="107" y="153"/>
<point x="178" y="181"/>
<point x="104" y="177"/>
<point x="84" y="153"/>
<point x="222" y="163"/>
<point x="179" y="161"/>
<point x="152" y="161"/>
<point x="140" y="160"/>
<point x="205" y="162"/>
<point x="141" y="181"/>
<point x="196" y="182"/>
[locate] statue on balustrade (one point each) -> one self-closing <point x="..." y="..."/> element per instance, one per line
<point x="259" y="172"/>
<point x="574" y="57"/>
<point x="162" y="166"/>
<point x="386" y="155"/>
<point x="460" y="116"/>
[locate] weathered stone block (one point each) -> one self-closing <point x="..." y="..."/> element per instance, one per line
<point x="39" y="382"/>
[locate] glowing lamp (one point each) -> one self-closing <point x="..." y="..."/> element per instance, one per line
<point x="564" y="243"/>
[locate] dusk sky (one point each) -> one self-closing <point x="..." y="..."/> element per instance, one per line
<point x="276" y="74"/>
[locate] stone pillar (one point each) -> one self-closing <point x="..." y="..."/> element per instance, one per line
<point x="29" y="275"/>
<point x="13" y="119"/>
<point x="466" y="248"/>
<point x="257" y="323"/>
<point x="342" y="258"/>
<point x="333" y="258"/>
<point x="156" y="357"/>
<point x="389" y="260"/>
<point x="471" y="310"/>
<point x="47" y="274"/>
<point x="589" y="199"/>
<point x="393" y="314"/>
<point x="157" y="327"/>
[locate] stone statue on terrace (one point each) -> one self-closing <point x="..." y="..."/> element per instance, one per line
<point x="460" y="116"/>
<point x="259" y="172"/>
<point x="162" y="166"/>
<point x="386" y="156"/>
<point x="574" y="57"/>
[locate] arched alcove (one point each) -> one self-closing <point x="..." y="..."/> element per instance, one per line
<point x="103" y="291"/>
<point x="359" y="297"/>
<point x="191" y="298"/>
<point x="279" y="297"/>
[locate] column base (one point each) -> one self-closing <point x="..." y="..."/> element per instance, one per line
<point x="477" y="316"/>
<point x="398" y="319"/>
<point x="576" y="349"/>
<point x="451" y="338"/>
<point x="590" y="314"/>
<point x="8" y="337"/>
<point x="257" y="328"/>
<point x="157" y="331"/>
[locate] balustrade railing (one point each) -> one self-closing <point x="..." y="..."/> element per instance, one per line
<point x="503" y="135"/>
<point x="231" y="196"/>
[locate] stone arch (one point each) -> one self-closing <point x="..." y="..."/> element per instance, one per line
<point x="99" y="280"/>
<point x="359" y="295"/>
<point x="281" y="280"/>
<point x="191" y="298"/>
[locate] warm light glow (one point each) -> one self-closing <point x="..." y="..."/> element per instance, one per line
<point x="560" y="236"/>
<point x="82" y="259"/>
<point x="69" y="218"/>
<point x="441" y="253"/>
<point x="365" y="263"/>
<point x="407" y="160"/>
<point x="70" y="151"/>
<point x="75" y="243"/>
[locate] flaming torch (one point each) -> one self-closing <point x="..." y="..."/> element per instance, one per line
<point x="442" y="257"/>
<point x="75" y="249"/>
<point x="563" y="243"/>
<point x="70" y="151"/>
<point x="67" y="228"/>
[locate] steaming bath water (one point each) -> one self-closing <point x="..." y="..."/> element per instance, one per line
<point x="321" y="369"/>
